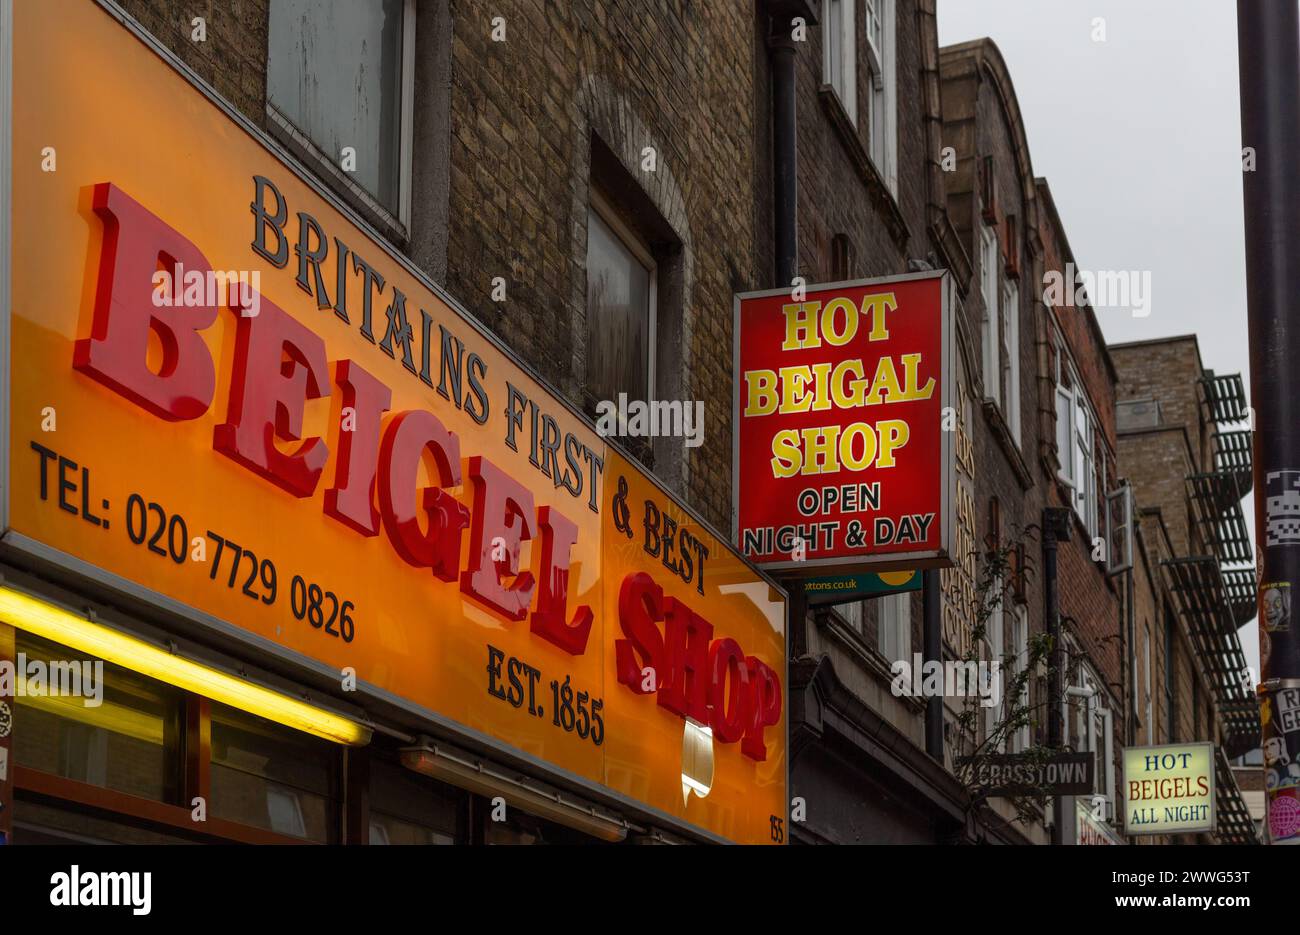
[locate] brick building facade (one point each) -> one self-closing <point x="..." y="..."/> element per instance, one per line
<point x="526" y="132"/>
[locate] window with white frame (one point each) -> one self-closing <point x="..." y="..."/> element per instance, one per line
<point x="882" y="102"/>
<point x="893" y="624"/>
<point x="840" y="53"/>
<point x="1020" y="740"/>
<point x="995" y="638"/>
<point x="621" y="300"/>
<point x="1075" y="426"/>
<point x="894" y="629"/>
<point x="1011" y="354"/>
<point x="339" y="82"/>
<point x="1088" y="725"/>
<point x="990" y="339"/>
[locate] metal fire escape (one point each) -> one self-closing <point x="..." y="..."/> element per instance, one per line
<point x="1215" y="593"/>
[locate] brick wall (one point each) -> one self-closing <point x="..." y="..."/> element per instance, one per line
<point x="232" y="57"/>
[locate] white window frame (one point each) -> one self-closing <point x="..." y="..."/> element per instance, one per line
<point x="1011" y="348"/>
<point x="639" y="249"/>
<point x="839" y="33"/>
<point x="995" y="636"/>
<point x="1091" y="717"/>
<point x="989" y="326"/>
<point x="894" y="626"/>
<point x="1078" y="466"/>
<point x="1021" y="740"/>
<point x="882" y="102"/>
<point x="406" y="146"/>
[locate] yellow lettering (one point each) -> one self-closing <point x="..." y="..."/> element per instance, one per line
<point x="850" y="396"/>
<point x="839" y="338"/>
<point x="911" y="364"/>
<point x="786" y="453"/>
<point x="819" y="450"/>
<point x="884" y="387"/>
<point x="761" y="385"/>
<point x="801" y="326"/>
<point x="875" y="307"/>
<point x="821" y="387"/>
<point x="868" y="446"/>
<point x="893" y="434"/>
<point x="794" y="385"/>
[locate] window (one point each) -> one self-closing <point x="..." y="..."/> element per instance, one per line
<point x="840" y="67"/>
<point x="406" y="808"/>
<point x="895" y="626"/>
<point x="621" y="299"/>
<point x="1011" y="354"/>
<point x="842" y="258"/>
<point x="994" y="635"/>
<point x="882" y="132"/>
<point x="1074" y="443"/>
<point x="129" y="742"/>
<point x="1090" y="724"/>
<point x="1020" y="741"/>
<point x="272" y="777"/>
<point x="340" y="78"/>
<point x="989" y="292"/>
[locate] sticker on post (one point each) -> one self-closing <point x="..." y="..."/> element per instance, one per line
<point x="1275" y="604"/>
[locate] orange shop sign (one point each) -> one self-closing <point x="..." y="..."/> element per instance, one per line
<point x="228" y="396"/>
<point x="844" y="425"/>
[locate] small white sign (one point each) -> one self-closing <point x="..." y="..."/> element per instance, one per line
<point x="1288" y="709"/>
<point x="4" y="764"/>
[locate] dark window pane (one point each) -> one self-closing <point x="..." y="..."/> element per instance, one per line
<point x="618" y="316"/>
<point x="129" y="741"/>
<point x="406" y="808"/>
<point x="271" y="776"/>
<point x="335" y="72"/>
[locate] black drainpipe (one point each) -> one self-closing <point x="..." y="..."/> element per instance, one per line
<point x="785" y="195"/>
<point x="1056" y="528"/>
<point x="785" y="150"/>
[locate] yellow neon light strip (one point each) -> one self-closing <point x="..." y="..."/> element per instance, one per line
<point x="114" y="717"/>
<point x="45" y="620"/>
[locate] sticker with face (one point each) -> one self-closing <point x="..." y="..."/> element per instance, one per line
<point x="1275" y="604"/>
<point x="1275" y="751"/>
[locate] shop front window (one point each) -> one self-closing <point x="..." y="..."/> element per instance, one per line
<point x="127" y="739"/>
<point x="406" y="808"/>
<point x="272" y="777"/>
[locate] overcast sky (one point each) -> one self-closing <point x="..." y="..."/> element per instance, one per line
<point x="1139" y="137"/>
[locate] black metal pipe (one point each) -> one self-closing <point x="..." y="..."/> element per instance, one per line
<point x="785" y="151"/>
<point x="1269" y="65"/>
<point x="1056" y="528"/>
<point x="932" y="649"/>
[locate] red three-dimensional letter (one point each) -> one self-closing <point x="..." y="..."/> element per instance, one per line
<point x="136" y="241"/>
<point x="408" y="436"/>
<point x="279" y="365"/>
<point x="548" y="621"/>
<point x="502" y="512"/>
<point x="351" y="499"/>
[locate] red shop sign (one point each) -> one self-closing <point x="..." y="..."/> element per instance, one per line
<point x="843" y="452"/>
